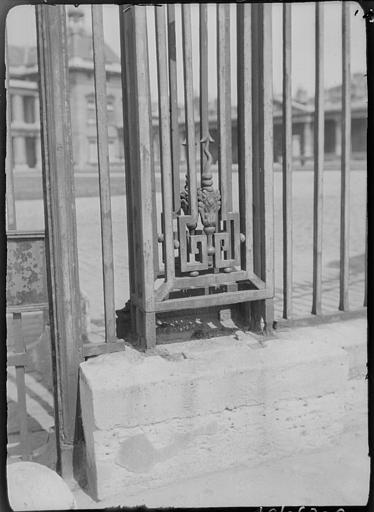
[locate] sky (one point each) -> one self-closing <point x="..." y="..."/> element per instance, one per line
<point x="22" y="32"/>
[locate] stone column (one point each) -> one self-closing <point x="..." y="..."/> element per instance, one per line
<point x="307" y="141"/>
<point x="18" y="114"/>
<point x="19" y="151"/>
<point x="338" y="137"/>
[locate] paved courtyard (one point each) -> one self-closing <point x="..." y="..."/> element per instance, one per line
<point x="30" y="216"/>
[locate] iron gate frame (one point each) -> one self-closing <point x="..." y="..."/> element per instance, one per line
<point x="256" y="90"/>
<point x="66" y="403"/>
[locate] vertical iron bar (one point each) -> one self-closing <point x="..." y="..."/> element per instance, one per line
<point x="256" y="196"/>
<point x="156" y="261"/>
<point x="204" y="104"/>
<point x="245" y="153"/>
<point x="318" y="159"/>
<point x="287" y="163"/>
<point x="10" y="198"/>
<point x="165" y="139"/>
<point x="103" y="165"/>
<point x="19" y="346"/>
<point x="189" y="107"/>
<point x="370" y="154"/>
<point x="204" y="114"/>
<point x="173" y="86"/>
<point x="267" y="158"/>
<point x="224" y="107"/>
<point x="366" y="261"/>
<point x="126" y="33"/>
<point x="60" y="223"/>
<point x="346" y="158"/>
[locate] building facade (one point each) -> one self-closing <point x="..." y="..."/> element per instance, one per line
<point x="25" y="125"/>
<point x="24" y="99"/>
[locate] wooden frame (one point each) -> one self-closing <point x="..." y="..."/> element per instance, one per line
<point x="60" y="225"/>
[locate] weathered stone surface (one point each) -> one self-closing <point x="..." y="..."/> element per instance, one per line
<point x="131" y="389"/>
<point x="194" y="446"/>
<point x="206" y="405"/>
<point x="349" y="335"/>
<point x="32" y="486"/>
<point x="356" y="404"/>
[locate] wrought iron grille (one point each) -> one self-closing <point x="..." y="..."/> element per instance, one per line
<point x="214" y="251"/>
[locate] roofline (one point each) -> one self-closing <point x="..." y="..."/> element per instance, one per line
<point x="79" y="63"/>
<point x="75" y="63"/>
<point x="23" y="84"/>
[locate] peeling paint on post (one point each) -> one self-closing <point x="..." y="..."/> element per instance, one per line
<point x="61" y="237"/>
<point x="138" y="153"/>
<point x="26" y="272"/>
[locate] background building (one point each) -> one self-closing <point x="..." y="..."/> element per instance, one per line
<point x="25" y="126"/>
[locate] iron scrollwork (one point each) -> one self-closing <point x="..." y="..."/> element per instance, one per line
<point x="217" y="245"/>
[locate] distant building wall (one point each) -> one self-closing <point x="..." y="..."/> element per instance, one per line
<point x="25" y="125"/>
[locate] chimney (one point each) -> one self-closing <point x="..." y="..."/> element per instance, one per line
<point x="301" y="95"/>
<point x="75" y="28"/>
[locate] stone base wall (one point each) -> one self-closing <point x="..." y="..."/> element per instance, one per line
<point x="206" y="405"/>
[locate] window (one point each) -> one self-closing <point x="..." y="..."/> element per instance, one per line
<point x="112" y="151"/>
<point x="30" y="152"/>
<point x="110" y="110"/>
<point x="29" y="109"/>
<point x="91" y="104"/>
<point x="92" y="151"/>
<point x="121" y="149"/>
<point x="91" y="109"/>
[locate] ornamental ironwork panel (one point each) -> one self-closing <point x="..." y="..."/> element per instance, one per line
<point x="211" y="242"/>
<point x="217" y="245"/>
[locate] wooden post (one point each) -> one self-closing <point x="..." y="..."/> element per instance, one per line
<point x="9" y="162"/>
<point x="104" y="175"/>
<point x="139" y="166"/>
<point x="262" y="312"/>
<point x="245" y="134"/>
<point x="127" y="107"/>
<point x="245" y="153"/>
<point x="287" y="163"/>
<point x="19" y="346"/>
<point x="60" y="225"/>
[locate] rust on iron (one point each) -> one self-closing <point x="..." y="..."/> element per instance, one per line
<point x="26" y="272"/>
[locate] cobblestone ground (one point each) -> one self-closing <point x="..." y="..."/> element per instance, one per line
<point x="30" y="216"/>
